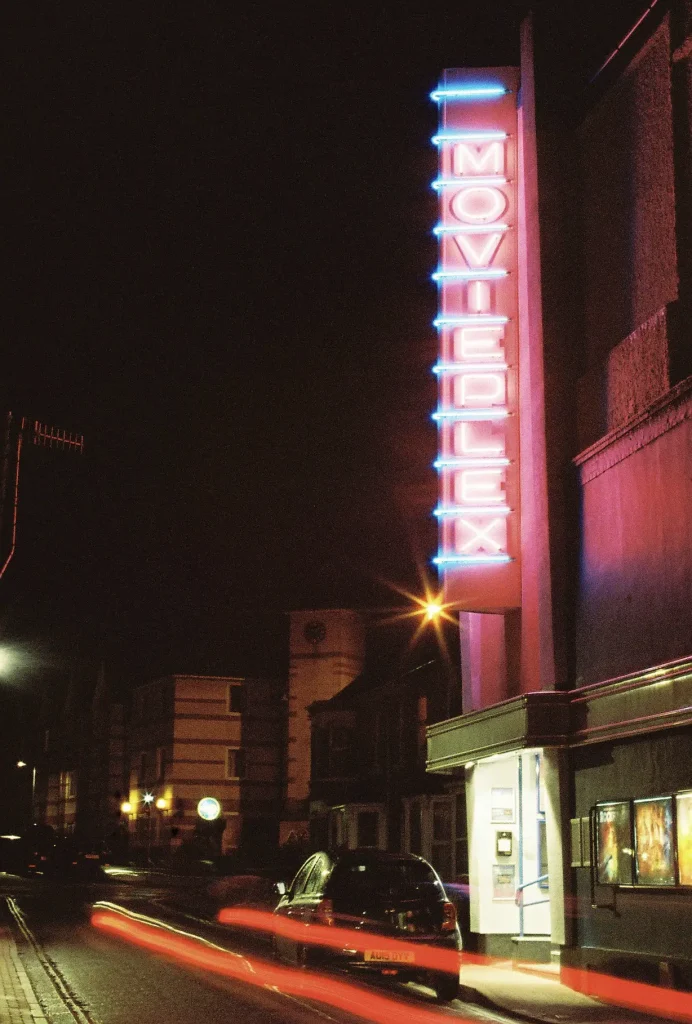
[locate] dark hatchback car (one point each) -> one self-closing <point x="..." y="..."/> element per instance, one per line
<point x="381" y="896"/>
<point x="77" y="859"/>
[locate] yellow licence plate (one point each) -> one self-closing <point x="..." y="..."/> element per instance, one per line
<point x="389" y="956"/>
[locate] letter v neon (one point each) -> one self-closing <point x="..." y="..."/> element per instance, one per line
<point x="478" y="250"/>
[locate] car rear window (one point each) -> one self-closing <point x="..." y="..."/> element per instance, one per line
<point x="381" y="878"/>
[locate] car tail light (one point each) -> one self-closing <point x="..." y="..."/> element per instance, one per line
<point x="449" y="917"/>
<point x="324" y="914"/>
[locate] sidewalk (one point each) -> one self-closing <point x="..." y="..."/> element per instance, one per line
<point x="535" y="993"/>
<point x="18" y="1004"/>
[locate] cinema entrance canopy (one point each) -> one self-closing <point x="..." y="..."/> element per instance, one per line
<point x="519" y="759"/>
<point x="632" y="705"/>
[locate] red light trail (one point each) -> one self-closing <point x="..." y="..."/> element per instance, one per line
<point x="158" y="937"/>
<point x="195" y="952"/>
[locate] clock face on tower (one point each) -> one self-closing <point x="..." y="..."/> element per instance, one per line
<point x="314" y="631"/>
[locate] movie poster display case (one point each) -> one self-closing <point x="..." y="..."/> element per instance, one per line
<point x="644" y="842"/>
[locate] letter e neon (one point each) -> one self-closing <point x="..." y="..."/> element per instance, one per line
<point x="479" y="486"/>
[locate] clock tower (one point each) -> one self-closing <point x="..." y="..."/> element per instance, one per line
<point x="326" y="651"/>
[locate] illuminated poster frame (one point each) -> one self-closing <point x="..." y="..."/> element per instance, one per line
<point x="683" y="829"/>
<point x="614" y="843"/>
<point x="477" y="368"/>
<point x="654" y="843"/>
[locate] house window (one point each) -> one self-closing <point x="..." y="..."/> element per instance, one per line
<point x="368" y="828"/>
<point x="337" y="827"/>
<point x="142" y="769"/>
<point x="66" y="786"/>
<point x="236" y="698"/>
<point x="340" y="752"/>
<point x="235" y="763"/>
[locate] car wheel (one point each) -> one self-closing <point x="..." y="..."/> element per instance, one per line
<point x="446" y="987"/>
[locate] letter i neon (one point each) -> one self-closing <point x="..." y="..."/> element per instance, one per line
<point x="479" y="297"/>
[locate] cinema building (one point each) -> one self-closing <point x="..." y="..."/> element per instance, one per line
<point x="565" y="467"/>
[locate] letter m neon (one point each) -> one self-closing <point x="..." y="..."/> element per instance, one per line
<point x="488" y="158"/>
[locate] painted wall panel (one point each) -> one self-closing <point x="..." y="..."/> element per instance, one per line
<point x="635" y="579"/>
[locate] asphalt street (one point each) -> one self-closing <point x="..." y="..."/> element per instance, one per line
<point x="84" y="974"/>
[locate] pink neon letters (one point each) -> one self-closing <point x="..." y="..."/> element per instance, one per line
<point x="478" y="343"/>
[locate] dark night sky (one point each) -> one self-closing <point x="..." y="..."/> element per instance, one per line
<point x="219" y="250"/>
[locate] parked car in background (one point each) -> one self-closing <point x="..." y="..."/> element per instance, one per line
<point x="381" y="897"/>
<point x="13" y="855"/>
<point x="76" y="857"/>
<point x="37" y="845"/>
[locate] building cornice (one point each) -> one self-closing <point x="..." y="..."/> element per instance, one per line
<point x="615" y="709"/>
<point x="642" y="702"/>
<point x="658" y="418"/>
<point x="538" y="719"/>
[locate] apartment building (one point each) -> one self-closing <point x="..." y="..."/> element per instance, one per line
<point x="205" y="763"/>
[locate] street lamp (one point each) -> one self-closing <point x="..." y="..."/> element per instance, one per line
<point x="160" y="803"/>
<point x="433" y="609"/>
<point x="23" y="764"/>
<point x="148" y="800"/>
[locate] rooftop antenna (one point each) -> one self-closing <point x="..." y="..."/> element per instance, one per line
<point x="17" y="432"/>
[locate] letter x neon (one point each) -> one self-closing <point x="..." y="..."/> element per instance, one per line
<point x="481" y="534"/>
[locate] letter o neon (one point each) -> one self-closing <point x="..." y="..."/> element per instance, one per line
<point x="478" y="205"/>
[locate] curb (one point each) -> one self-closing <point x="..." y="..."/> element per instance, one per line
<point x="28" y="1007"/>
<point x="476" y="998"/>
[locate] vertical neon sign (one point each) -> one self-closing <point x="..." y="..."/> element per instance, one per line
<point x="477" y="414"/>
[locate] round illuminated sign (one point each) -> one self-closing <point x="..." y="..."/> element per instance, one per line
<point x="209" y="808"/>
